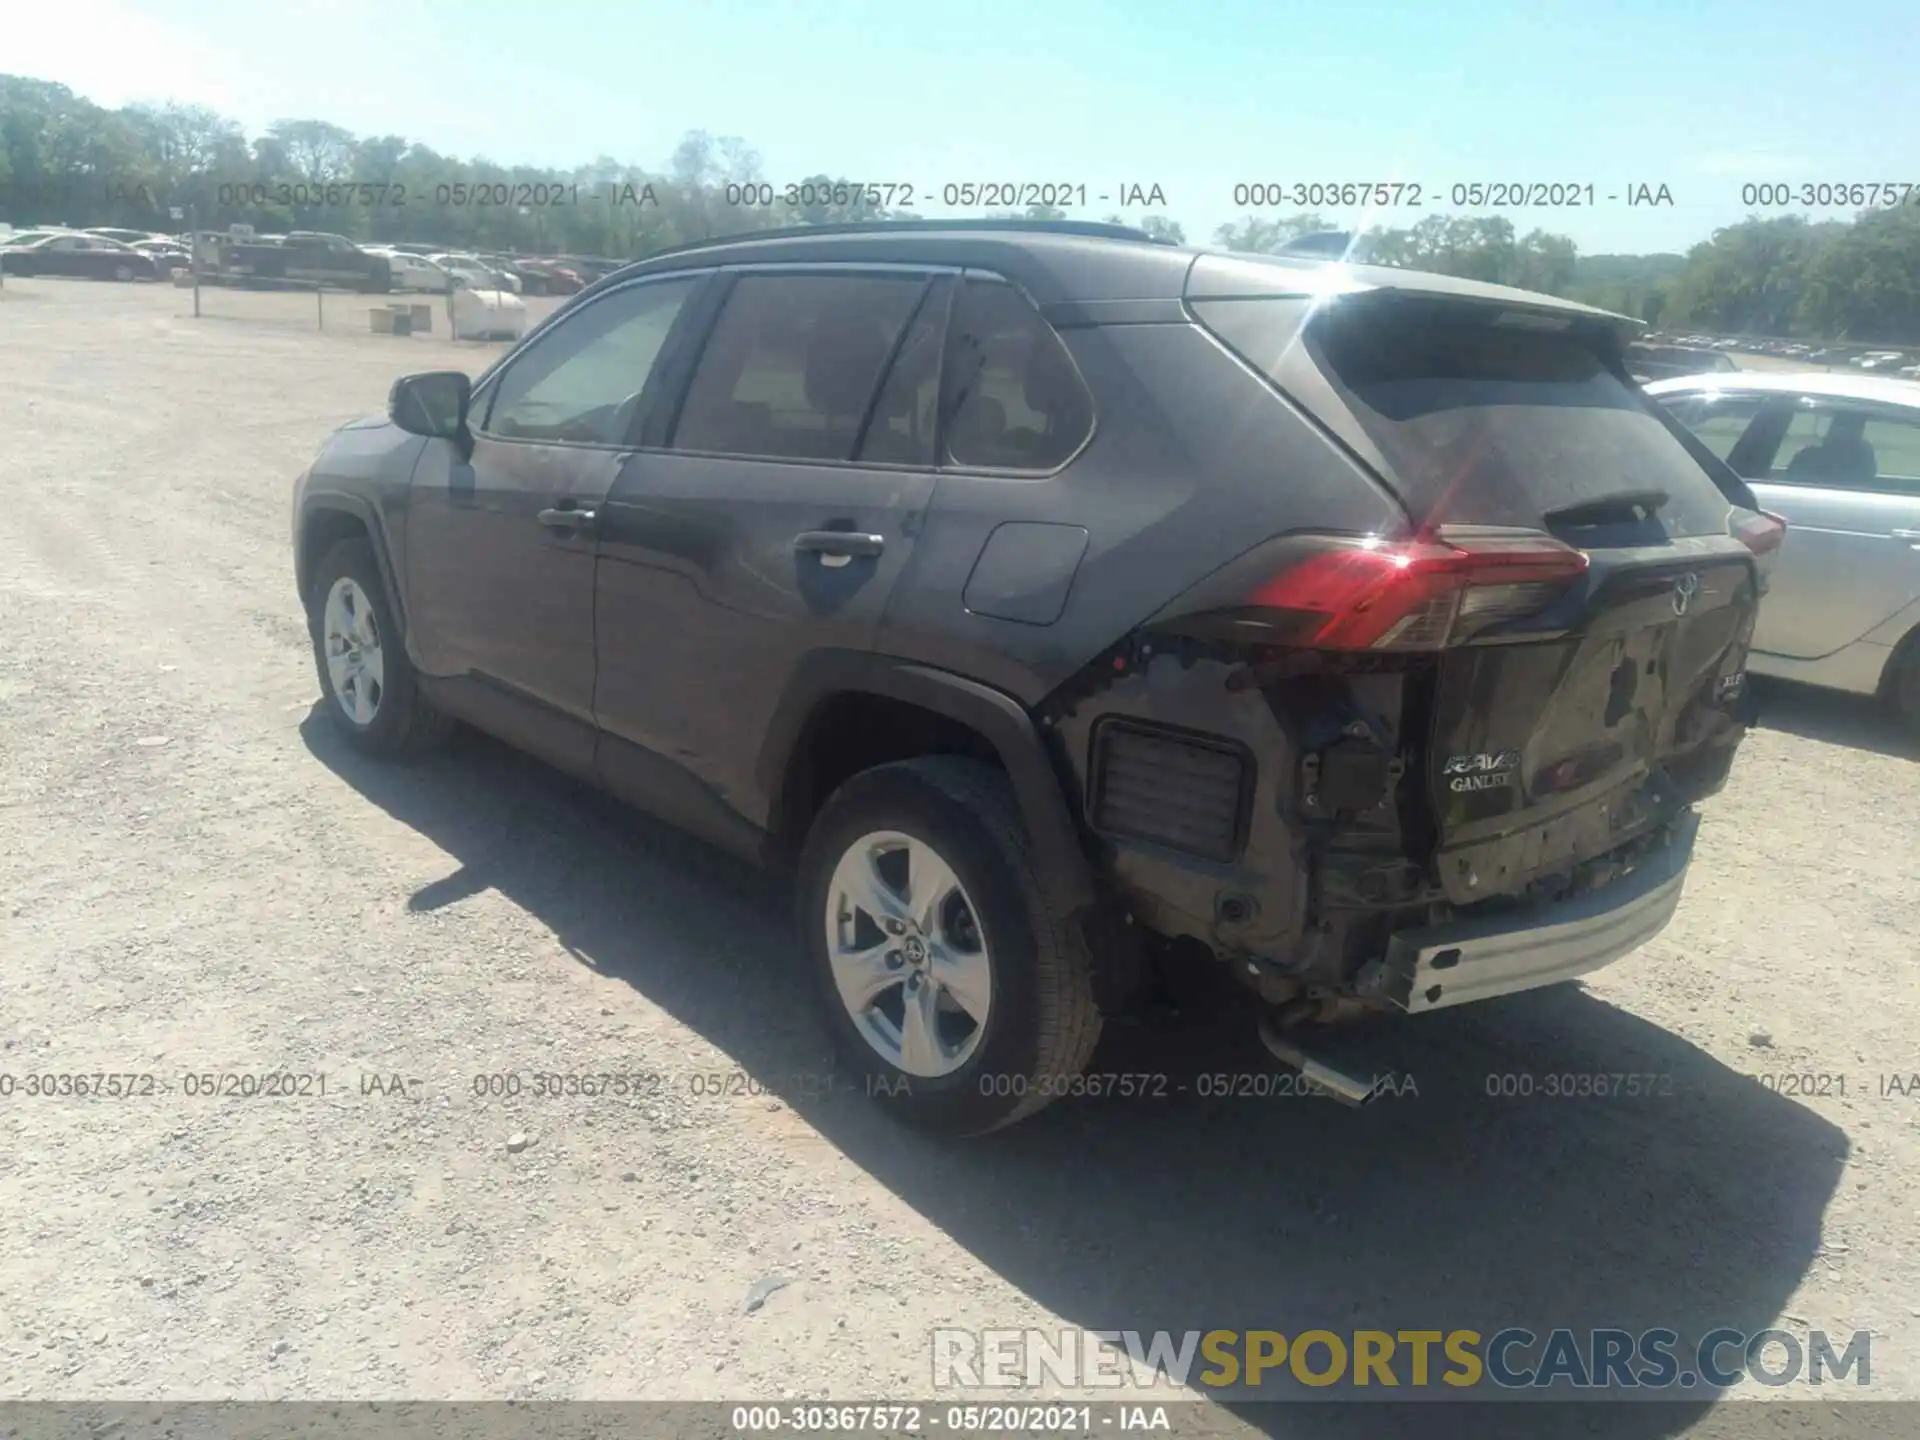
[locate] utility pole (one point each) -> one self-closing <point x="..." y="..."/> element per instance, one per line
<point x="193" y="253"/>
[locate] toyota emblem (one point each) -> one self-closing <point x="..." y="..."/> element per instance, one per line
<point x="1684" y="589"/>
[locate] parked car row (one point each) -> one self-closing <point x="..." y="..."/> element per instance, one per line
<point x="1657" y="362"/>
<point x="430" y="268"/>
<point x="306" y="257"/>
<point x="1905" y="363"/>
<point x="89" y="254"/>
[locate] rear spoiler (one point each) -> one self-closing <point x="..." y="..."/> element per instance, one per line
<point x="1308" y="274"/>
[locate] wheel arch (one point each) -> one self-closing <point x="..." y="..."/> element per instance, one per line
<point x="1905" y="652"/>
<point x="827" y="681"/>
<point x="330" y="517"/>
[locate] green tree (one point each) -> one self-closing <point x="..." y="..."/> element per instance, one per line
<point x="64" y="159"/>
<point x="1255" y="236"/>
<point x="1864" y="284"/>
<point x="1158" y="226"/>
<point x="1748" y="278"/>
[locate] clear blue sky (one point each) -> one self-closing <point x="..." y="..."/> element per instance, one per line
<point x="1700" y="95"/>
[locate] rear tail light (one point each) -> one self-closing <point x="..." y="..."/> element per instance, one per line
<point x="1760" y="531"/>
<point x="1420" y="594"/>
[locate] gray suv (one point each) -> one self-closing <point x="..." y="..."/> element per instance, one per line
<point x="1066" y="610"/>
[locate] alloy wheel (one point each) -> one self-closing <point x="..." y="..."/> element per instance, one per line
<point x="908" y="954"/>
<point x="351" y="636"/>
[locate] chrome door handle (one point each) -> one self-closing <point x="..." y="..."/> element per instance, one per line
<point x="569" y="519"/>
<point x="844" y="544"/>
<point x="1913" y="535"/>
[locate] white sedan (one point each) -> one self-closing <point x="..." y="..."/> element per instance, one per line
<point x="476" y="274"/>
<point x="1838" y="456"/>
<point x="416" y="272"/>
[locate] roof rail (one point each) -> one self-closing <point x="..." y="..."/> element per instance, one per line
<point x="1092" y="229"/>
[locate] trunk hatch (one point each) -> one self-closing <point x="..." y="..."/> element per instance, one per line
<point x="1560" y="728"/>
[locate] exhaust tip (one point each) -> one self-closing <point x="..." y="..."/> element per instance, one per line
<point x="1336" y="1083"/>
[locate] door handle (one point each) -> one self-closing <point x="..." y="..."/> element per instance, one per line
<point x="569" y="519"/>
<point x="1912" y="537"/>
<point x="840" y="544"/>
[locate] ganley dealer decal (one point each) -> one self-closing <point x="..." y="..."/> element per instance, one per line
<point x="1489" y="770"/>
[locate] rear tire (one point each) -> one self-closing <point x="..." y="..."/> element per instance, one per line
<point x="1903" y="683"/>
<point x="372" y="691"/>
<point x="985" y="908"/>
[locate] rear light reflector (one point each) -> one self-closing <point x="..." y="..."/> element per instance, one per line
<point x="1761" y="531"/>
<point x="1421" y="594"/>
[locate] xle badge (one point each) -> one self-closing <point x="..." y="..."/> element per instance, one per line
<point x="1489" y="770"/>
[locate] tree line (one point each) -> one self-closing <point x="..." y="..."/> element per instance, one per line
<point x="65" y="160"/>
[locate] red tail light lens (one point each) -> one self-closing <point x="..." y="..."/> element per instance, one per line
<point x="1761" y="531"/>
<point x="1420" y="594"/>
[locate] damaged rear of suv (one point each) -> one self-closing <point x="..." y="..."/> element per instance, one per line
<point x="1450" y="756"/>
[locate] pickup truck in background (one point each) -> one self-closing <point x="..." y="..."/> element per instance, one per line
<point x="303" y="257"/>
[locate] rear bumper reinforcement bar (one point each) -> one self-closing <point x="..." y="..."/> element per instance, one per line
<point x="1461" y="961"/>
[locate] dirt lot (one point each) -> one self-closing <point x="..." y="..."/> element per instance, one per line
<point x="194" y="879"/>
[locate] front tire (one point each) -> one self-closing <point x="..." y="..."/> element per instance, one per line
<point x="372" y="691"/>
<point x="958" y="994"/>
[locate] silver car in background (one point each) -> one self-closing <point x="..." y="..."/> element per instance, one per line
<point x="1838" y="457"/>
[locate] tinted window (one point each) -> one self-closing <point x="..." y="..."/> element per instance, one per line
<point x="1718" y="420"/>
<point x="1849" y="448"/>
<point x="901" y="430"/>
<point x="582" y="380"/>
<point x="791" y="366"/>
<point x="1017" y="401"/>
<point x="1478" y="422"/>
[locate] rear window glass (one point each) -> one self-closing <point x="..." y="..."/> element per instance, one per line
<point x="1483" y="424"/>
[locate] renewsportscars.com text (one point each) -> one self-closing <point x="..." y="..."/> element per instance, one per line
<point x="1510" y="1359"/>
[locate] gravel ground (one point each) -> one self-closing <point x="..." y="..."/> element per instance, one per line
<point x="195" y="879"/>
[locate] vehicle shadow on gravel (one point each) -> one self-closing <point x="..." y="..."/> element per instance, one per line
<point x="1692" y="1207"/>
<point x="1859" y="722"/>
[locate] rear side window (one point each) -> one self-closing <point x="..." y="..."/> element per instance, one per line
<point x="790" y="369"/>
<point x="1016" y="402"/>
<point x="1845" y="447"/>
<point x="1479" y="422"/>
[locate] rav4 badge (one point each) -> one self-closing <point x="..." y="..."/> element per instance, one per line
<point x="1487" y="770"/>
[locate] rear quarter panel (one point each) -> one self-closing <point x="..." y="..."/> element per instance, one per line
<point x="1193" y="461"/>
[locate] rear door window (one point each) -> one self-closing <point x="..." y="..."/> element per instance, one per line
<point x="906" y="413"/>
<point x="1836" y="446"/>
<point x="1479" y="415"/>
<point x="793" y="362"/>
